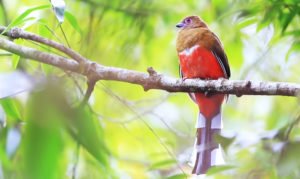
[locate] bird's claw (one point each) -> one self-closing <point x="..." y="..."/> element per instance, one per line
<point x="184" y="78"/>
<point x="207" y="93"/>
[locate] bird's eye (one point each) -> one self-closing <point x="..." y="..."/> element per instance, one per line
<point x="188" y="20"/>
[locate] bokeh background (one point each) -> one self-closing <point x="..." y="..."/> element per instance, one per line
<point x="126" y="132"/>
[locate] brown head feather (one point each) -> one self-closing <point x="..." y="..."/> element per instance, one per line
<point x="191" y="22"/>
<point x="193" y="31"/>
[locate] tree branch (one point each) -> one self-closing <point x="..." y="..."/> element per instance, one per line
<point x="16" y="33"/>
<point x="152" y="80"/>
<point x="39" y="56"/>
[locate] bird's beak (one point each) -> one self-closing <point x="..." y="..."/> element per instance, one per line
<point x="180" y="25"/>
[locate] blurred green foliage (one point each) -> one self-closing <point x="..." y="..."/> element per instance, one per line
<point x="128" y="133"/>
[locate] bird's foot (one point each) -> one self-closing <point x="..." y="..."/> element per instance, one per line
<point x="184" y="78"/>
<point x="209" y="93"/>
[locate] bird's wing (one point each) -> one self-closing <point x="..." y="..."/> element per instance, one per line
<point x="219" y="53"/>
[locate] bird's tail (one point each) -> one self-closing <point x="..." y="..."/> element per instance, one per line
<point x="207" y="150"/>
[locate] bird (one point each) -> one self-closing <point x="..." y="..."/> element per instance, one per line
<point x="202" y="56"/>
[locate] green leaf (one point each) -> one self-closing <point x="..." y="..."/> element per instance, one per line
<point x="270" y="14"/>
<point x="246" y="22"/>
<point x="218" y="169"/>
<point x="3" y="155"/>
<point x="289" y="161"/>
<point x="262" y="25"/>
<point x="178" y="176"/>
<point x="85" y="129"/>
<point x="43" y="140"/>
<point x="224" y="141"/>
<point x="11" y="108"/>
<point x="15" y="60"/>
<point x="162" y="164"/>
<point x="295" y="47"/>
<point x="72" y="20"/>
<point x="21" y="18"/>
<point x="285" y="20"/>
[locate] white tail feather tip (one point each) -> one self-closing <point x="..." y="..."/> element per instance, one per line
<point x="216" y="122"/>
<point x="201" y="121"/>
<point x="217" y="157"/>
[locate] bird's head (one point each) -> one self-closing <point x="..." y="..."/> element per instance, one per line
<point x="191" y="22"/>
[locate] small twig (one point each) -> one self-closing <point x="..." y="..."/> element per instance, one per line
<point x="151" y="71"/>
<point x="53" y="33"/>
<point x="91" y="84"/>
<point x="91" y="81"/>
<point x="65" y="37"/>
<point x="291" y="126"/>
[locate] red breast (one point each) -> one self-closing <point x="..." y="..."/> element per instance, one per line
<point x="198" y="62"/>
